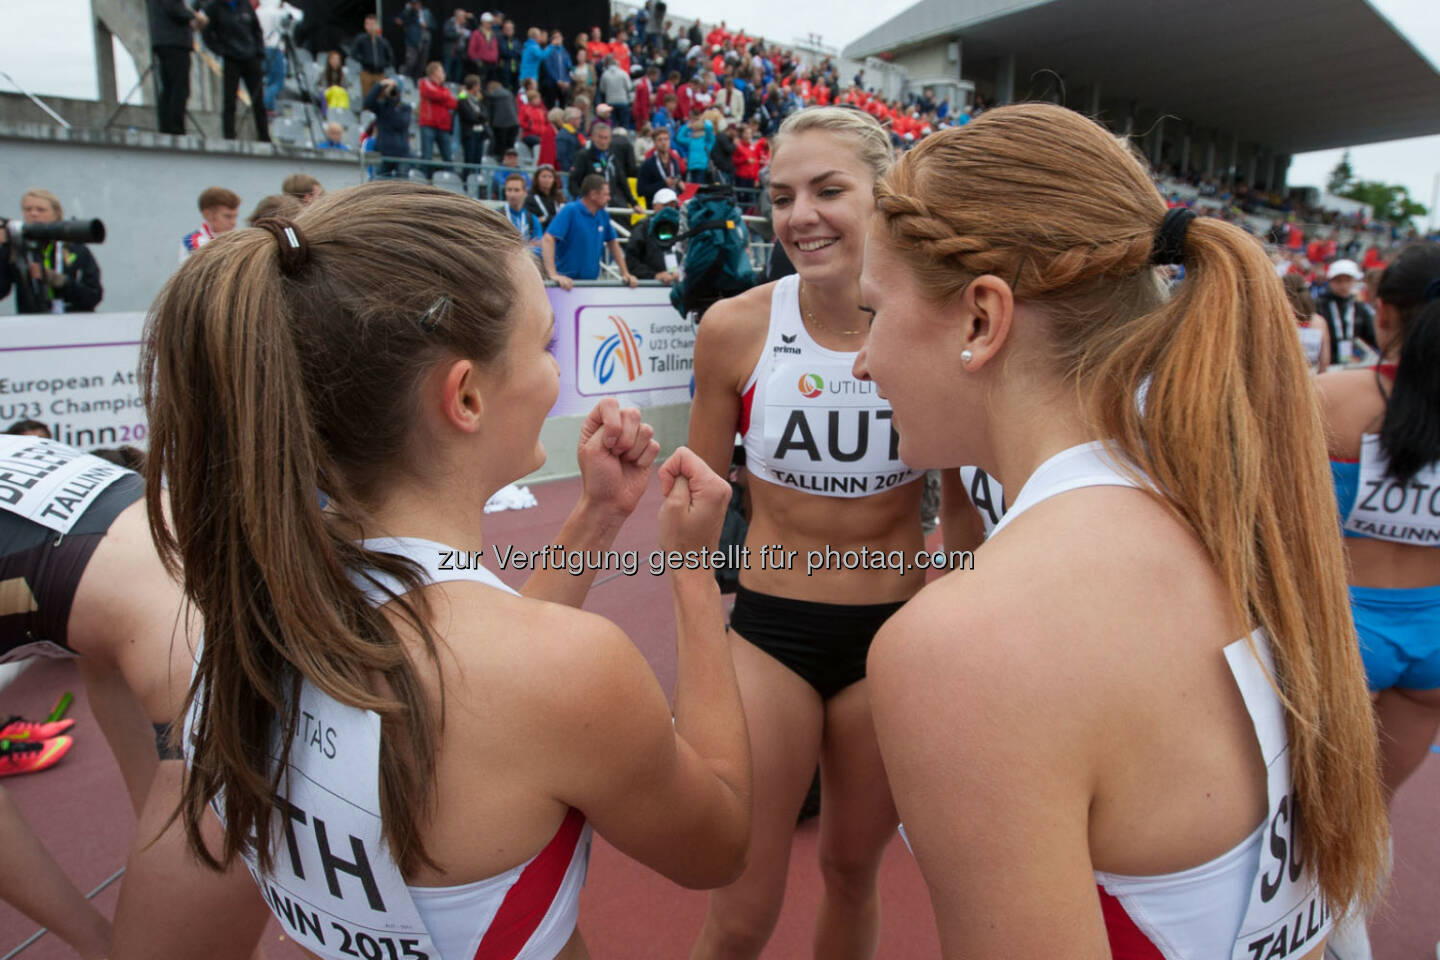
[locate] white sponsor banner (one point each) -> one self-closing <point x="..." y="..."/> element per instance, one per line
<point x="75" y="373"/>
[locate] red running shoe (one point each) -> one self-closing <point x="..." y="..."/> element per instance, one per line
<point x="18" y="728"/>
<point x="29" y="756"/>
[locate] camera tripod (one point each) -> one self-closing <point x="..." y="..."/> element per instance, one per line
<point x="125" y="102"/>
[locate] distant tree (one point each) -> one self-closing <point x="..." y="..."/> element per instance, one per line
<point x="1391" y="202"/>
<point x="1341" y="176"/>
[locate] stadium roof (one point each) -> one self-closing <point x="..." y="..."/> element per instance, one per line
<point x="1295" y="77"/>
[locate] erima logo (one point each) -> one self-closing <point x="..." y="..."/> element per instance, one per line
<point x="786" y="348"/>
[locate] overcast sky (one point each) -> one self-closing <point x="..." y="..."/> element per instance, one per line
<point x="40" y="35"/>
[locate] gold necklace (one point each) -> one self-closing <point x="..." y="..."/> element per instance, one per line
<point x="811" y="317"/>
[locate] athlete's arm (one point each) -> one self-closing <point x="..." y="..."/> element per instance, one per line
<point x="615" y="453"/>
<point x="673" y="795"/>
<point x="722" y="338"/>
<point x="994" y="794"/>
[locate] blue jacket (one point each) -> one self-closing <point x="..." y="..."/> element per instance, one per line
<point x="392" y="123"/>
<point x="697" y="149"/>
<point x="567" y="145"/>
<point x="530" y="60"/>
<point x="661" y="118"/>
<point x="557" y="64"/>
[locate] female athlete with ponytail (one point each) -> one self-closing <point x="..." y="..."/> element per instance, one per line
<point x="823" y="477"/>
<point x="1383" y="430"/>
<point x="421" y="751"/>
<point x="1139" y="727"/>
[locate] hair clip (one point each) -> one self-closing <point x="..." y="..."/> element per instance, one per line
<point x="435" y="314"/>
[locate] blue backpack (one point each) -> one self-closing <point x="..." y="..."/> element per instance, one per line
<point x="717" y="261"/>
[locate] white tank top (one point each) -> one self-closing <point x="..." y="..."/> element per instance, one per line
<point x="807" y="423"/>
<point x="1260" y="898"/>
<point x="1385" y="510"/>
<point x="334" y="886"/>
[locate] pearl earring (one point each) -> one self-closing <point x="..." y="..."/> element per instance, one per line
<point x="966" y="356"/>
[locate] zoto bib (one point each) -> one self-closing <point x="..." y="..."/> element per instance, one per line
<point x="1386" y="510"/>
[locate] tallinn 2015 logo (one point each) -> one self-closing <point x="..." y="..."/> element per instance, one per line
<point x="620" y="349"/>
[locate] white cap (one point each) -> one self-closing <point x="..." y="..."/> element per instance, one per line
<point x="666" y="195"/>
<point x="487" y="18"/>
<point x="1343" y="268"/>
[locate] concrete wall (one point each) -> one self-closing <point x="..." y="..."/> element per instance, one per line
<point x="929" y="60"/>
<point x="144" y="186"/>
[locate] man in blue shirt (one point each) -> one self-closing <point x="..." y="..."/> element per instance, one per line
<point x="582" y="229"/>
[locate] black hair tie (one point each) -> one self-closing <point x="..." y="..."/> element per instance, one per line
<point x="1170" y="238"/>
<point x="1432" y="292"/>
<point x="294" y="250"/>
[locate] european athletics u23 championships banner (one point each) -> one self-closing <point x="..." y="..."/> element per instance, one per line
<point x="622" y="343"/>
<point x="77" y="373"/>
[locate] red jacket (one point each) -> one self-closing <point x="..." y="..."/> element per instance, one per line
<point x="484" y="51"/>
<point x="533" y="122"/>
<point x="750" y="157"/>
<point x="437" y="105"/>
<point x="621" y="53"/>
<point x="547" y="145"/>
<point x="684" y="102"/>
<point x="642" y="104"/>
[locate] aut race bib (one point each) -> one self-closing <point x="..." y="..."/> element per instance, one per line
<point x="50" y="483"/>
<point x="335" y="888"/>
<point x="826" y="432"/>
<point x="1287" y="914"/>
<point x="1385" y="510"/>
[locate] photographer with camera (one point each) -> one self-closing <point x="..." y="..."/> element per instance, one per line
<point x="46" y="261"/>
<point x="650" y="249"/>
<point x="392" y="125"/>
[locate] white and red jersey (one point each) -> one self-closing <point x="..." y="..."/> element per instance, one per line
<point x="807" y="422"/>
<point x="1260" y="899"/>
<point x="195" y="240"/>
<point x="333" y="885"/>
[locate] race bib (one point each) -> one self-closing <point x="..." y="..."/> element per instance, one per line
<point x="50" y="483"/>
<point x="1287" y="915"/>
<point x="1386" y="510"/>
<point x="334" y="887"/>
<point x="827" y="432"/>
<point x="986" y="494"/>
<point x="1312" y="341"/>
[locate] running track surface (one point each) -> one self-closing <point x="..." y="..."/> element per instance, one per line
<point x="79" y="807"/>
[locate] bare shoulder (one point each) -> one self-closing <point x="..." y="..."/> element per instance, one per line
<point x="538" y="651"/>
<point x="1023" y="624"/>
<point x="732" y="333"/>
<point x="736" y="321"/>
<point x="1350" y="405"/>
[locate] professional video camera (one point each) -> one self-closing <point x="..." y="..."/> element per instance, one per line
<point x="18" y="232"/>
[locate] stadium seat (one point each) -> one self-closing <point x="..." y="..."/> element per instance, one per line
<point x="418" y="174"/>
<point x="448" y="180"/>
<point x="292" y="131"/>
<point x="472" y="186"/>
